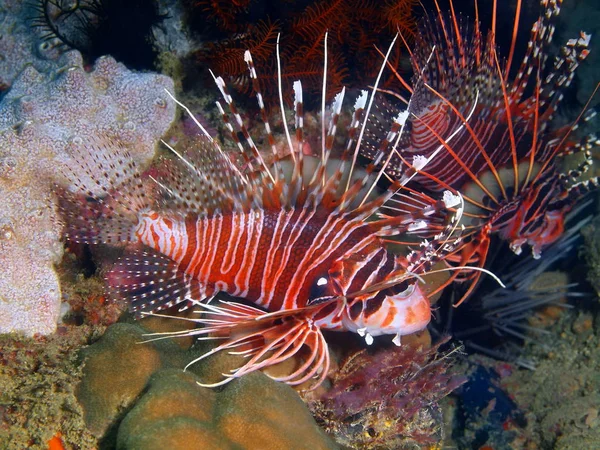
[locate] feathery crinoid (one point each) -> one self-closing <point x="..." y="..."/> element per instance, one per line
<point x="227" y="56"/>
<point x="64" y="24"/>
<point x="355" y="27"/>
<point x="304" y="248"/>
<point x="226" y="13"/>
<point x="491" y="133"/>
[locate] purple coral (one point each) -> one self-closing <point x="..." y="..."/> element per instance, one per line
<point x="390" y="398"/>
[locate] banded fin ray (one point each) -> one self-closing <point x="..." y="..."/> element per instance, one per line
<point x="272" y="190"/>
<point x="202" y="180"/>
<point x="107" y="176"/>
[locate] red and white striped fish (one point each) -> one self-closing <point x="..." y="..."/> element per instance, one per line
<point x="306" y="251"/>
<point x="489" y="135"/>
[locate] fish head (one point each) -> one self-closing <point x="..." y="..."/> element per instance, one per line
<point x="537" y="219"/>
<point x="371" y="306"/>
<point x="399" y="312"/>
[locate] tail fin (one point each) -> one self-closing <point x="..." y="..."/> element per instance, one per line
<point x="105" y="195"/>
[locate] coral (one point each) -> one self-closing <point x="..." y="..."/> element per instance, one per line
<point x="389" y="399"/>
<point x="37" y="391"/>
<point x="43" y="119"/>
<point x="258" y="413"/>
<point x="135" y="395"/>
<point x="116" y="371"/>
<point x="174" y="408"/>
<point x="251" y="413"/>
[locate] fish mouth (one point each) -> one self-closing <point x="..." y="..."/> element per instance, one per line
<point x="412" y="312"/>
<point x="400" y="314"/>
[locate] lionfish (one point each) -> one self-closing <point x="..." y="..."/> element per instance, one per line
<point x="489" y="135"/>
<point x="305" y="250"/>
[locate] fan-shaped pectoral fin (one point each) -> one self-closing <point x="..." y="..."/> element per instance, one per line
<point x="263" y="340"/>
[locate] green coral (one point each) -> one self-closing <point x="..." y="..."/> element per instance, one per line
<point x="258" y="413"/>
<point x="174" y="413"/>
<point x="116" y="370"/>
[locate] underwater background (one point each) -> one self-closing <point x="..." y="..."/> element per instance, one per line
<point x="509" y="368"/>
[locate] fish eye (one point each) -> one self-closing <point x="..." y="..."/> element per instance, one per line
<point x="408" y="291"/>
<point x="320" y="290"/>
<point x="404" y="289"/>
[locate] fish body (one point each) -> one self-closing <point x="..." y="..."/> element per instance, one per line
<point x="304" y="251"/>
<point x="284" y="260"/>
<point x="487" y="133"/>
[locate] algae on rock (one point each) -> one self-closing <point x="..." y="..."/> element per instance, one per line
<point x="561" y="398"/>
<point x="37" y="390"/>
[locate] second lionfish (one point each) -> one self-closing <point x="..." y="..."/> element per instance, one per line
<point x="486" y="129"/>
<point x="304" y="249"/>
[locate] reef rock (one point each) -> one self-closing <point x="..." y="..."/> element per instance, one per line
<point x="591" y="252"/>
<point x="43" y="119"/>
<point x="390" y="398"/>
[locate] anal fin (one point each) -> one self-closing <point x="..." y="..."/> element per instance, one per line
<point x="153" y="282"/>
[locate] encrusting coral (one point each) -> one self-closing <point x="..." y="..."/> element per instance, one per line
<point x="43" y="118"/>
<point x="38" y="376"/>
